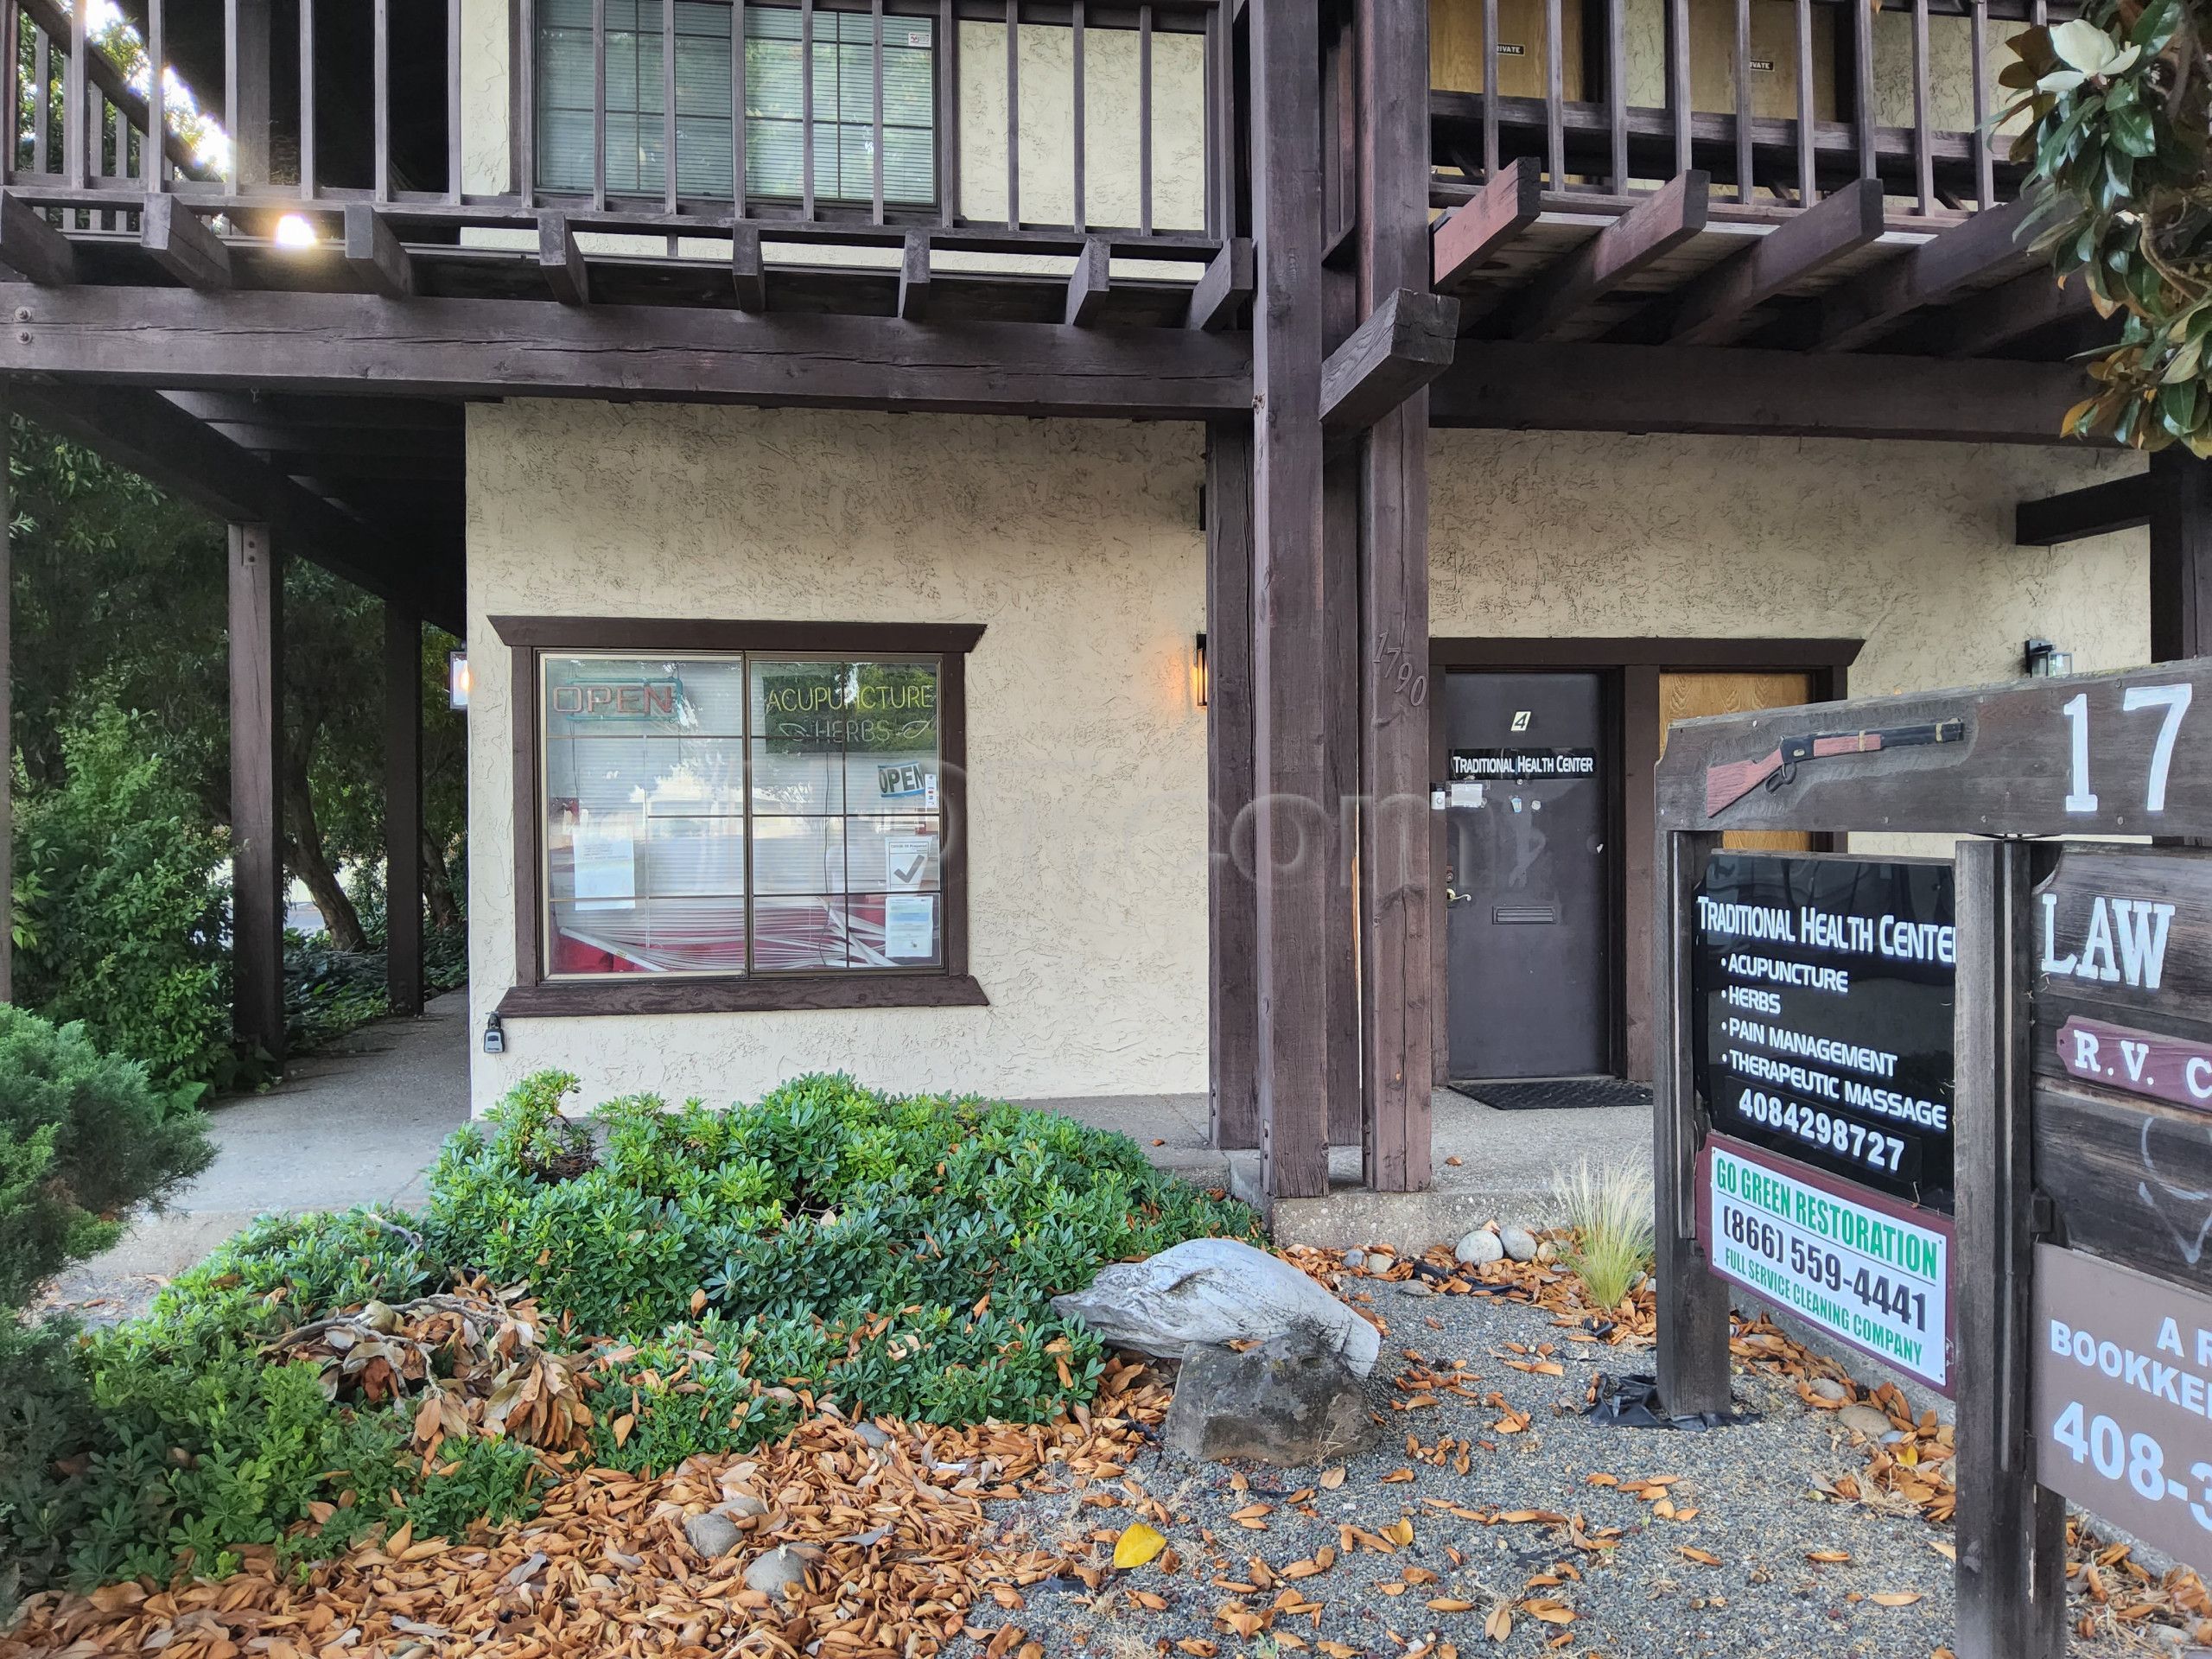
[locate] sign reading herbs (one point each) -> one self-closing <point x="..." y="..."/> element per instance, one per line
<point x="1823" y="990"/>
<point x="827" y="708"/>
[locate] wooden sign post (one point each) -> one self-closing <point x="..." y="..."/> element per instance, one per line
<point x="2021" y="1217"/>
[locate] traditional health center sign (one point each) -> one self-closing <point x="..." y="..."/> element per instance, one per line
<point x="1967" y="1100"/>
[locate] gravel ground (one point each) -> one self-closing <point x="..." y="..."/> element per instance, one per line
<point x="1746" y="1496"/>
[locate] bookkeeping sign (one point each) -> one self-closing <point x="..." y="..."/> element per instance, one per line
<point x="1822" y="1027"/>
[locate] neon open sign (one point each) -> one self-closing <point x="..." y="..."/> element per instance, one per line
<point x="619" y="699"/>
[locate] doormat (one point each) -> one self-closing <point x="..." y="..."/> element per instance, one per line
<point x="1555" y="1094"/>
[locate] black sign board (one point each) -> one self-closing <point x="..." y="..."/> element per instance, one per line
<point x="1522" y="766"/>
<point x="1823" y="990"/>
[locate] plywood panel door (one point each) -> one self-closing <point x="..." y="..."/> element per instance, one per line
<point x="1686" y="696"/>
<point x="1773" y="55"/>
<point x="1455" y="47"/>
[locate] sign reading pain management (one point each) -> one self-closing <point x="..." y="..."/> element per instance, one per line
<point x="1875" y="1273"/>
<point x="1823" y="994"/>
<point x="2121" y="1397"/>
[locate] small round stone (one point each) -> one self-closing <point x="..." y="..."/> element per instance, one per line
<point x="1479" y="1248"/>
<point x="713" y="1535"/>
<point x="776" y="1572"/>
<point x="1519" y="1243"/>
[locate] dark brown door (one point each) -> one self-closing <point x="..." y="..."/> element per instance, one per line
<point x="1528" y="874"/>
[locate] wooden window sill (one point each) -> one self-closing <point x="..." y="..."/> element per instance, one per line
<point x="640" y="994"/>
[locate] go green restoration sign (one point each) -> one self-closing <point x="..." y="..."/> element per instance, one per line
<point x="1875" y="1274"/>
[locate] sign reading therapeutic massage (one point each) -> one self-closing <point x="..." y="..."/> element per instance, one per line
<point x="1823" y="996"/>
<point x="1873" y="1272"/>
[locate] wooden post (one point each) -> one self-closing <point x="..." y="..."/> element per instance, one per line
<point x="1398" y="984"/>
<point x="1232" y="919"/>
<point x="2011" y="1533"/>
<point x="2181" y="556"/>
<point x="402" y="808"/>
<point x="1296" y="824"/>
<point x="257" y="582"/>
<point x="1692" y="1304"/>
<point x="245" y="112"/>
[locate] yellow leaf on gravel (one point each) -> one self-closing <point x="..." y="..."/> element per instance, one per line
<point x="1552" y="1612"/>
<point x="1450" y="1604"/>
<point x="1500" y="1624"/>
<point x="1704" y="1555"/>
<point x="1396" y="1476"/>
<point x="1894" y="1598"/>
<point x="1402" y="1534"/>
<point x="1137" y="1545"/>
<point x="1827" y="1557"/>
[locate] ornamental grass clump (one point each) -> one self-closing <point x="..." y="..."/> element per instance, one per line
<point x="1609" y="1213"/>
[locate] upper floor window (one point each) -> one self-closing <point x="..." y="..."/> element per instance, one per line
<point x="844" y="57"/>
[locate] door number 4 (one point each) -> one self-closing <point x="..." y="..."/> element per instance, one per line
<point x="2174" y="699"/>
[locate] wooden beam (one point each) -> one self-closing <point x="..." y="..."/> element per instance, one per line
<point x="2093" y="509"/>
<point x="1986" y="322"/>
<point x="54" y="18"/>
<point x="174" y="235"/>
<point x="1868" y="306"/>
<point x="563" y="261"/>
<point x="1224" y="287"/>
<point x="1232" y="916"/>
<point x="403" y="810"/>
<point x="748" y="272"/>
<point x="2181" y="556"/>
<point x="353" y="344"/>
<point x="1089" y="283"/>
<point x="1651" y="229"/>
<point x="257" y="655"/>
<point x="1295" y="824"/>
<point x="1715" y="307"/>
<point x="374" y="255"/>
<point x="32" y="248"/>
<point x="1731" y="391"/>
<point x="914" y="278"/>
<point x="1475" y="232"/>
<point x="1395" y="857"/>
<point x="175" y="452"/>
<point x="1403" y="346"/>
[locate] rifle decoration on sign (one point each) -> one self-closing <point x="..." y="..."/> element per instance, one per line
<point x="1730" y="781"/>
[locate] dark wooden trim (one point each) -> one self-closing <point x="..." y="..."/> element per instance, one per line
<point x="2093" y="509"/>
<point x="1089" y="283"/>
<point x="1232" y="919"/>
<point x="355" y="344"/>
<point x="1639" y="752"/>
<point x="1649" y="231"/>
<point x="651" y="633"/>
<point x="1467" y="238"/>
<point x="914" y="302"/>
<point x="31" y="247"/>
<point x="2011" y="1533"/>
<point x="1735" y="391"/>
<point x="1982" y="323"/>
<point x="1218" y="295"/>
<point x="748" y="275"/>
<point x="1404" y="343"/>
<point x="379" y="264"/>
<point x="621" y="994"/>
<point x="1689" y="653"/>
<point x="257" y="655"/>
<point x="402" y="808"/>
<point x="2180" y="489"/>
<point x="562" y="262"/>
<point x="174" y="238"/>
<point x="1871" y="306"/>
<point x="1714" y="308"/>
<point x="531" y="993"/>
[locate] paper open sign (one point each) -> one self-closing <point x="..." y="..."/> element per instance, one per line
<point x="908" y="779"/>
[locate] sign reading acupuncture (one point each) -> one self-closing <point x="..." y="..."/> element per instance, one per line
<point x="1823" y="991"/>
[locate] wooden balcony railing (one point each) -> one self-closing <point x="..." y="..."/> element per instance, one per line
<point x="1006" y="127"/>
<point x="1779" y="101"/>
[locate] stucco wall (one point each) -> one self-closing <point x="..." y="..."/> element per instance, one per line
<point x="1077" y="545"/>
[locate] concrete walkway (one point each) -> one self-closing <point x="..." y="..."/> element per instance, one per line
<point x="356" y="1123"/>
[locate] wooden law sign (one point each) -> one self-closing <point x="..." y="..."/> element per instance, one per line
<point x="1958" y="1113"/>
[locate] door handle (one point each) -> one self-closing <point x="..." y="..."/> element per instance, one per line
<point x="1451" y="898"/>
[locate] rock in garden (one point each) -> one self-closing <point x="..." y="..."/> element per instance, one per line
<point x="1865" y="1419"/>
<point x="1380" y="1261"/>
<point x="1415" y="1288"/>
<point x="1519" y="1243"/>
<point x="712" y="1535"/>
<point x="1479" y="1248"/>
<point x="1355" y="1258"/>
<point x="1290" y="1401"/>
<point x="1829" y="1388"/>
<point x="1211" y="1292"/>
<point x="775" y="1573"/>
<point x="869" y="1434"/>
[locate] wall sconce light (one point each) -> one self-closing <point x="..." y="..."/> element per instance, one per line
<point x="1199" y="672"/>
<point x="2045" y="661"/>
<point x="457" y="679"/>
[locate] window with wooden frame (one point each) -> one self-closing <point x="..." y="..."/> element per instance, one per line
<point x="738" y="815"/>
<point x="845" y="54"/>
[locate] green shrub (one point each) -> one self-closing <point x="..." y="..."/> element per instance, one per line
<point x="83" y="1137"/>
<point x="1610" y="1212"/>
<point x="123" y="926"/>
<point x="482" y="1481"/>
